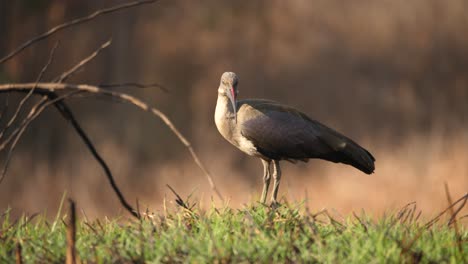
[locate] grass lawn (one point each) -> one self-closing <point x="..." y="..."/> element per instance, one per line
<point x="256" y="233"/>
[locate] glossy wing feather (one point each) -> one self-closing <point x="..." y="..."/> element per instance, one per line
<point x="281" y="132"/>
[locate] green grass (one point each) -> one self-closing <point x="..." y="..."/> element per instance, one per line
<point x="253" y="234"/>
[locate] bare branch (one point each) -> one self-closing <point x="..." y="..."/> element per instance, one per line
<point x="74" y="23"/>
<point x="52" y="87"/>
<point x="64" y="76"/>
<point x="68" y="114"/>
<point x="135" y="85"/>
<point x="23" y="101"/>
<point x="16" y="134"/>
<point x="31" y="114"/>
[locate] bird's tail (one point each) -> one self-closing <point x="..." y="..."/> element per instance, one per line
<point x="358" y="157"/>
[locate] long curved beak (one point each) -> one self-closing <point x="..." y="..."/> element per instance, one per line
<point x="232" y="98"/>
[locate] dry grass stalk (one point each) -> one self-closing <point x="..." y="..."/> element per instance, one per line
<point x="453" y="218"/>
<point x="71" y="234"/>
<point x="361" y="222"/>
<point x="18" y="253"/>
<point x="437" y="218"/>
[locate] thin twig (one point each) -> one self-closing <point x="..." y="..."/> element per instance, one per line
<point x="29" y="94"/>
<point x="68" y="114"/>
<point x="36" y="110"/>
<point x="436" y="219"/>
<point x="134" y="85"/>
<point x="453" y="218"/>
<point x="13" y="134"/>
<point x="18" y="110"/>
<point x="64" y="76"/>
<point x="361" y="222"/>
<point x="74" y="23"/>
<point x="454" y="214"/>
<point x="179" y="199"/>
<point x="126" y="98"/>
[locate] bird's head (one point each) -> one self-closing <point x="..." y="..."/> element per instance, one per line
<point x="228" y="87"/>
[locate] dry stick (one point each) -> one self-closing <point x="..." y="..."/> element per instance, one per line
<point x="29" y="94"/>
<point x="73" y="23"/>
<point x="455" y="224"/>
<point x="18" y="253"/>
<point x="360" y="221"/>
<point x="179" y="199"/>
<point x="68" y="115"/>
<point x="449" y="200"/>
<point x="453" y="218"/>
<point x="14" y="133"/>
<point x="33" y="114"/>
<point x="66" y="112"/>
<point x="435" y="219"/>
<point x="64" y="76"/>
<point x="126" y="98"/>
<point x="134" y="85"/>
<point x="18" y="110"/>
<point x="411" y="219"/>
<point x="71" y="234"/>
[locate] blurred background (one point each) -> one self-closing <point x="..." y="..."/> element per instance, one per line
<point x="392" y="75"/>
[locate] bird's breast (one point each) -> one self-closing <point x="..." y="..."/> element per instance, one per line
<point x="246" y="146"/>
<point x="229" y="129"/>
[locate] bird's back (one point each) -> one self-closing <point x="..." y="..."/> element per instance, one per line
<point x="281" y="132"/>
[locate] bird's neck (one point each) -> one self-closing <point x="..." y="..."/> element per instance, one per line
<point x="225" y="117"/>
<point x="224" y="108"/>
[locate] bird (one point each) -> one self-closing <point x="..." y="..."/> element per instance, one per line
<point x="275" y="132"/>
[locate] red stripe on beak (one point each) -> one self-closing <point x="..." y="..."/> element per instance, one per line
<point x="233" y="94"/>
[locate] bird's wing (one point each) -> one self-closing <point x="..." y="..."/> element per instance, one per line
<point x="282" y="132"/>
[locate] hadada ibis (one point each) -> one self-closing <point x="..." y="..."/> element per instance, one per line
<point x="275" y="132"/>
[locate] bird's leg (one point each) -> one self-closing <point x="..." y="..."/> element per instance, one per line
<point x="277" y="178"/>
<point x="266" y="180"/>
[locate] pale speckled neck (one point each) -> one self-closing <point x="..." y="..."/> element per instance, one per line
<point x="224" y="108"/>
